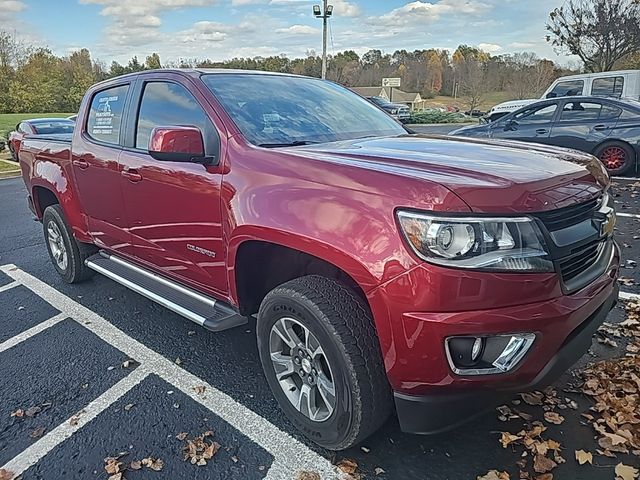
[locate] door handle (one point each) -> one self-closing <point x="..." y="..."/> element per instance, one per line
<point x="541" y="131"/>
<point x="600" y="128"/>
<point x="131" y="174"/>
<point x="81" y="164"/>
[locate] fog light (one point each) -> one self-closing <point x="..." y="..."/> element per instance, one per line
<point x="487" y="355"/>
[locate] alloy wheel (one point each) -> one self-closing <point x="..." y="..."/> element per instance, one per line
<point x="57" y="246"/>
<point x="302" y="369"/>
<point x="613" y="157"/>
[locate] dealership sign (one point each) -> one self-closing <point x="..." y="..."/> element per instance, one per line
<point x="391" y="82"/>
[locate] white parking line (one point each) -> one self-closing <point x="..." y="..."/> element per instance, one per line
<point x="632" y="179"/>
<point x="628" y="296"/>
<point x="29" y="457"/>
<point x="13" y="341"/>
<point x="632" y="215"/>
<point x="8" y="286"/>
<point x="289" y="454"/>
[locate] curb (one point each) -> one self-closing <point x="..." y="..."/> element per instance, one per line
<point x="10" y="173"/>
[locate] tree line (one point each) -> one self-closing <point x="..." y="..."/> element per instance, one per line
<point x="604" y="34"/>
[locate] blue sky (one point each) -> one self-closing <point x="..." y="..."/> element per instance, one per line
<point x="221" y="29"/>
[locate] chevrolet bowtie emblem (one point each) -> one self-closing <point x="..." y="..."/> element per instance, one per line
<point x="609" y="223"/>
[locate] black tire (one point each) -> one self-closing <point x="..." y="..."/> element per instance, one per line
<point x="344" y="328"/>
<point x="76" y="252"/>
<point x="14" y="155"/>
<point x="629" y="162"/>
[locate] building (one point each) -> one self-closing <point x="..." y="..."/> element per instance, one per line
<point x="413" y="100"/>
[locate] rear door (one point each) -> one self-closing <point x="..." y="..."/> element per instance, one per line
<point x="96" y="169"/>
<point x="583" y="124"/>
<point x="532" y="124"/>
<point x="174" y="208"/>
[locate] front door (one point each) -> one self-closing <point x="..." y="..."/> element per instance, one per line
<point x="532" y="124"/>
<point x="96" y="170"/>
<point x="174" y="208"/>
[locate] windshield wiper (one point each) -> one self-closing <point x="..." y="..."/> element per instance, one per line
<point x="289" y="144"/>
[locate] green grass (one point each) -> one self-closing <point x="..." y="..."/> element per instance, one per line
<point x="488" y="100"/>
<point x="6" y="167"/>
<point x="8" y="121"/>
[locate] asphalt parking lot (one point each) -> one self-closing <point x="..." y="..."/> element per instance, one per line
<point x="99" y="371"/>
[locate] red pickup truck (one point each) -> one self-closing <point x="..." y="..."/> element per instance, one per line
<point x="385" y="268"/>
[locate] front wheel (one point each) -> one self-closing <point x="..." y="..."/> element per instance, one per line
<point x="617" y="157"/>
<point x="67" y="254"/>
<point x="321" y="357"/>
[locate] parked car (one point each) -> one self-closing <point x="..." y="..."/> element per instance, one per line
<point x="437" y="275"/>
<point x="399" y="111"/>
<point x="605" y="127"/>
<point x="73" y="118"/>
<point x="37" y="126"/>
<point x="623" y="84"/>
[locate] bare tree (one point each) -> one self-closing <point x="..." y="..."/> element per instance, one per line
<point x="600" y="32"/>
<point x="470" y="65"/>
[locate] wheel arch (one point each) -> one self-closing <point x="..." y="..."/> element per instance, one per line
<point x="634" y="149"/>
<point x="257" y="265"/>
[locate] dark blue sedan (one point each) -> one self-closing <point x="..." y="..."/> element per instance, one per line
<point x="605" y="127"/>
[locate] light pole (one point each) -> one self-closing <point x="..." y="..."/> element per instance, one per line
<point x="324" y="13"/>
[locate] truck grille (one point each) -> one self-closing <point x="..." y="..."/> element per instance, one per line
<point x="579" y="261"/>
<point x="568" y="216"/>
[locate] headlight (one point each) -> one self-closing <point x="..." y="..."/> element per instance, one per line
<point x="507" y="244"/>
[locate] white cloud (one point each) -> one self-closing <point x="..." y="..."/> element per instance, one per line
<point x="241" y="3"/>
<point x="422" y="12"/>
<point x="346" y="9"/>
<point x="489" y="47"/>
<point x="8" y="9"/>
<point x="299" y="30"/>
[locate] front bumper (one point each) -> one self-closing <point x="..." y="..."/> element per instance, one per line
<point x="443" y="411"/>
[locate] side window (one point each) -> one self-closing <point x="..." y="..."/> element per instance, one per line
<point x="105" y="116"/>
<point x="569" y="88"/>
<point x="167" y="104"/>
<point x="536" y="114"/>
<point x="609" y="112"/>
<point x="608" y="86"/>
<point x="580" y="111"/>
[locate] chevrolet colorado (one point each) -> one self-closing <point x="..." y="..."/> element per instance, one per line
<point x="386" y="270"/>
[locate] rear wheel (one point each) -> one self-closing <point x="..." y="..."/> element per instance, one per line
<point x="617" y="157"/>
<point x="66" y="253"/>
<point x="321" y="357"/>
<point x="14" y="155"/>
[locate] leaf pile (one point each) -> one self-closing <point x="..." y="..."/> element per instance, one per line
<point x="544" y="452"/>
<point x="116" y="469"/>
<point x="198" y="450"/>
<point x="614" y="386"/>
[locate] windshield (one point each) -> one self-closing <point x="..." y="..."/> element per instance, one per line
<point x="276" y="111"/>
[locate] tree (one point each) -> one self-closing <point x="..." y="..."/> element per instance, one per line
<point x="153" y="62"/>
<point x="470" y="65"/>
<point x="600" y="32"/>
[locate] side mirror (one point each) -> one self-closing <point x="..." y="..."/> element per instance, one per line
<point x="178" y="144"/>
<point x="510" y="125"/>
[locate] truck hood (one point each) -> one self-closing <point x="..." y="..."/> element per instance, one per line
<point x="490" y="176"/>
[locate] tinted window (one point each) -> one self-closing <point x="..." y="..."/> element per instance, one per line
<point x="567" y="89"/>
<point x="105" y="116"/>
<point x="609" y="112"/>
<point x="166" y="104"/>
<point x="50" y="127"/>
<point x="580" y="111"/>
<point x="272" y="110"/>
<point x="608" y="86"/>
<point x="536" y="114"/>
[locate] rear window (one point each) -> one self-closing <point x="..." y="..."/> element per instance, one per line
<point x="608" y="86"/>
<point x="569" y="88"/>
<point x="105" y="116"/>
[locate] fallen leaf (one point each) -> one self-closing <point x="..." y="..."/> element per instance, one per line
<point x="32" y="411"/>
<point x="508" y="438"/>
<point x="135" y="465"/>
<point x="304" y="475"/>
<point x="112" y="465"/>
<point x="37" y="433"/>
<point x="583" y="457"/>
<point x="182" y="435"/>
<point x="153" y="463"/>
<point x="542" y="464"/>
<point x="129" y="406"/>
<point x="347" y="466"/>
<point x="494" y="475"/>
<point x="19" y="413"/>
<point x="365" y="449"/>
<point x="117" y="476"/>
<point x="533" y="398"/>
<point x="553" y="417"/>
<point x="545" y="476"/>
<point x="625" y="472"/>
<point x="5" y="474"/>
<point x="127" y="363"/>
<point x="177" y="361"/>
<point x="379" y="471"/>
<point x="199" y="389"/>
